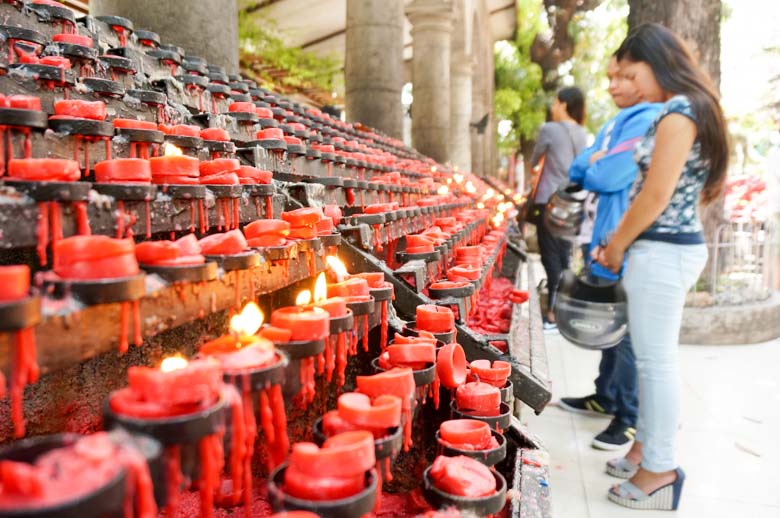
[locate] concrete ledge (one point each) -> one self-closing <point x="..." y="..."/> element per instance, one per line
<point x="729" y="325"/>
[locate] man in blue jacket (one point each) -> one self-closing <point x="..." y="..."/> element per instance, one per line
<point x="607" y="168"/>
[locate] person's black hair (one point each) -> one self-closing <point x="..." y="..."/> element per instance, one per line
<point x="575" y="102"/>
<point x="677" y="73"/>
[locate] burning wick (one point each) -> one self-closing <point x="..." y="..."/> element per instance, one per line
<point x="303" y="298"/>
<point x="338" y="267"/>
<point x="248" y="322"/>
<point x="173" y="363"/>
<point x="321" y="288"/>
<point x="171" y="150"/>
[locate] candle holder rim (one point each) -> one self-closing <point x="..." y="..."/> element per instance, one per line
<point x="353" y="506"/>
<point x="20" y="314"/>
<point x="503" y="420"/>
<point x="384" y="447"/>
<point x="483" y="506"/>
<point x="488" y="457"/>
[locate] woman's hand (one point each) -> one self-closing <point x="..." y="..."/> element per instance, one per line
<point x="610" y="257"/>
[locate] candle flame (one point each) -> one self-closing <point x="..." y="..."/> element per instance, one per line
<point x="303" y="298"/>
<point x="337" y="266"/>
<point x="248" y="322"/>
<point x="173" y="363"/>
<point x="480" y="205"/>
<point x="171" y="150"/>
<point x="470" y="188"/>
<point x="320" y="288"/>
<point x="458" y="178"/>
<point x="443" y="190"/>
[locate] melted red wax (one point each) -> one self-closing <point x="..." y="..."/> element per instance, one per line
<point x="120" y="219"/>
<point x="244" y="431"/>
<point x="42" y="231"/>
<point x="174" y="478"/>
<point x="330" y="357"/>
<point x="148" y="214"/>
<point x="82" y="221"/>
<point x="308" y="387"/>
<point x="384" y="325"/>
<point x="211" y="465"/>
<point x="492" y="311"/>
<point x="273" y="419"/>
<point x="120" y="32"/>
<point x="25" y="371"/>
<point x="312" y="260"/>
<point x="350" y="194"/>
<point x="341" y="358"/>
<point x="365" y="333"/>
<point x="137" y="337"/>
<point x="202" y="216"/>
<point x="55" y="224"/>
<point x="236" y="213"/>
<point x="123" y="343"/>
<point x="378" y="238"/>
<point x="238" y="289"/>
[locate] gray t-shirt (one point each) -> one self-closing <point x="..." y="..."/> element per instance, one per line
<point x="560" y="142"/>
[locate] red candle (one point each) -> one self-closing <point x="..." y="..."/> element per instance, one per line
<point x="278" y="335"/>
<point x="44" y="169"/>
<point x="215" y="134"/>
<point x="397" y="382"/>
<point x="352" y="287"/>
<point x="242" y="106"/>
<point x="359" y="410"/>
<point x="264" y="113"/>
<point x="466" y="434"/>
<point x="14" y="282"/>
<point x="95" y="110"/>
<point x="23" y="102"/>
<point x="160" y="392"/>
<point x="184" y="251"/>
<point x="174" y="166"/>
<point x="460" y="273"/>
<point x="305" y="217"/>
<point x="333" y="212"/>
<point x="462" y="476"/>
<point x="495" y="374"/>
<point x="335" y="306"/>
<point x="374" y="279"/>
<point x="94" y="257"/>
<point x="183" y="130"/>
<point x="436" y="319"/>
<point x="135" y="124"/>
<point x="418" y="354"/>
<point x="123" y="170"/>
<point x="306" y="324"/>
<point x="270" y="134"/>
<point x="451" y="365"/>
<point x="324" y="227"/>
<point x="226" y="243"/>
<point x="478" y="399"/>
<point x="258" y="176"/>
<point x="75" y="39"/>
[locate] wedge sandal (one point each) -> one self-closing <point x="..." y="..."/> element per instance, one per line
<point x="665" y="498"/>
<point x="621" y="467"/>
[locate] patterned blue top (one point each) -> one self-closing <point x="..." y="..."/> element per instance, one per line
<point x="679" y="222"/>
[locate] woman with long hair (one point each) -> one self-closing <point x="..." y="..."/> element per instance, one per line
<point x="558" y="143"/>
<point x="682" y="160"/>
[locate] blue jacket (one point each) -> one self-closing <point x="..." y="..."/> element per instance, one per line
<point x="612" y="176"/>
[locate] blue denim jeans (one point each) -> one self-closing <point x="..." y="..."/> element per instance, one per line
<point x="658" y="275"/>
<point x="616" y="386"/>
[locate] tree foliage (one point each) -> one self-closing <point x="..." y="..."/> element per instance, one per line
<point x="260" y="36"/>
<point x="558" y="43"/>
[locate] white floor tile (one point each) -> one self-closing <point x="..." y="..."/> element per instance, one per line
<point x="730" y="422"/>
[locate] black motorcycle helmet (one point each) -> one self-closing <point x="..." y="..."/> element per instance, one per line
<point x="592" y="316"/>
<point x="565" y="211"/>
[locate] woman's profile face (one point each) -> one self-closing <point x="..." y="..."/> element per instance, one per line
<point x="643" y="79"/>
<point x="557" y="110"/>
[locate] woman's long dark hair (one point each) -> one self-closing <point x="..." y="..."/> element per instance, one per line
<point x="575" y="102"/>
<point x="676" y="72"/>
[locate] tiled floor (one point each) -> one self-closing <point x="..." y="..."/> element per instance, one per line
<point x="729" y="443"/>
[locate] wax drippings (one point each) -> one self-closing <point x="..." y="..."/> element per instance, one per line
<point x="120" y="219"/>
<point x="365" y="333"/>
<point x="308" y="387"/>
<point x="378" y="238"/>
<point x="173" y="477"/>
<point x="330" y="344"/>
<point x="82" y="221"/>
<point x="267" y="423"/>
<point x="341" y="358"/>
<point x="123" y="318"/>
<point x="269" y="207"/>
<point x="202" y="217"/>
<point x="55" y="224"/>
<point x="139" y="490"/>
<point x="383" y="327"/>
<point x="137" y="337"/>
<point x="211" y="465"/>
<point x="148" y="215"/>
<point x="25" y="371"/>
<point x="42" y="231"/>
<point x="236" y="213"/>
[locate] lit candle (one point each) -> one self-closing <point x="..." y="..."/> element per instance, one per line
<point x="174" y="167"/>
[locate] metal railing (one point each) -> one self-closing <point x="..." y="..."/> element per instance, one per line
<point x="742" y="266"/>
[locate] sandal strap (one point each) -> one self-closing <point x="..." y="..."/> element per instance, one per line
<point x="628" y="490"/>
<point x="622" y="464"/>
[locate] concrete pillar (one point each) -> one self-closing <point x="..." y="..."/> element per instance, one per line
<point x="373" y="64"/>
<point x="477" y="139"/>
<point x="431" y="32"/>
<point x="461" y="71"/>
<point x="204" y="28"/>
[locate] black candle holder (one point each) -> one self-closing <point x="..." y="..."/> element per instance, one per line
<point x="260" y="378"/>
<point x="502" y="421"/>
<point x="363" y="307"/>
<point x="342" y="324"/>
<point x="507" y="393"/>
<point x="242" y="261"/>
<point x="51" y="191"/>
<point x="297" y="350"/>
<point x="105" y="500"/>
<point x="185" y="273"/>
<point x="480" y="506"/>
<point x="18" y="117"/>
<point x="20" y="314"/>
<point x="410" y="330"/>
<point x="98" y="291"/>
<point x="351" y="507"/>
<point x="489" y="457"/>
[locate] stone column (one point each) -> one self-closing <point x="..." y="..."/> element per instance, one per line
<point x="373" y="64"/>
<point x="431" y="32"/>
<point x="477" y="139"/>
<point x="460" y="111"/>
<point x="204" y="28"/>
